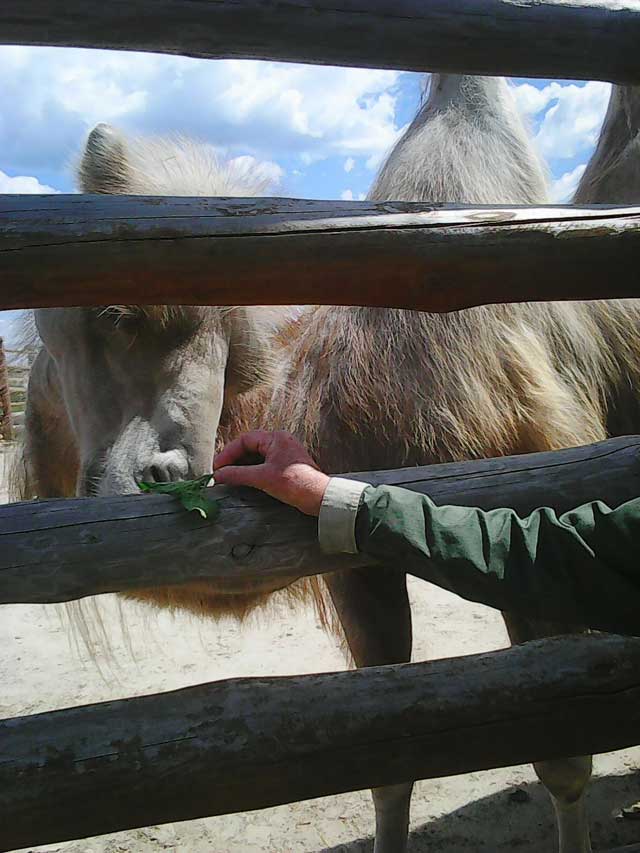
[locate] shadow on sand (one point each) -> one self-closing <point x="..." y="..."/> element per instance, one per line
<point x="524" y="822"/>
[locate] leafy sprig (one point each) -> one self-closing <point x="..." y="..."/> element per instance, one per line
<point x="190" y="493"/>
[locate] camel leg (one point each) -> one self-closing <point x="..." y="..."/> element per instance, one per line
<point x="565" y="779"/>
<point x="376" y="617"/>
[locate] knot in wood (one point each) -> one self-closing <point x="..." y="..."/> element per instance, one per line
<point x="88" y="538"/>
<point x="241" y="551"/>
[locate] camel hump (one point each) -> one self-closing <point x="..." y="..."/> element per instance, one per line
<point x="103" y="166"/>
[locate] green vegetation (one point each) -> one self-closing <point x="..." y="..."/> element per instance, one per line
<point x="190" y="493"/>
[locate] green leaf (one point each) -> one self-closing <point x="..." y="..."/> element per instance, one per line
<point x="161" y="488"/>
<point x="190" y="493"/>
<point x="200" y="503"/>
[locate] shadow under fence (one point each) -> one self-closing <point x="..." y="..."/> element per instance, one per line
<point x="521" y="818"/>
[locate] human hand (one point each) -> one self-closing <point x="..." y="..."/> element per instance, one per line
<point x="284" y="470"/>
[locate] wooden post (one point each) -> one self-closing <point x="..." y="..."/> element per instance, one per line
<point x="102" y="250"/>
<point x="258" y="742"/>
<point x="60" y="550"/>
<point x="6" y="420"/>
<point x="586" y="39"/>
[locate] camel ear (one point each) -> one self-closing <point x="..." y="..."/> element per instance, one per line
<point x="103" y="167"/>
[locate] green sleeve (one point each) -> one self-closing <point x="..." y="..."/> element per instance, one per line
<point x="582" y="567"/>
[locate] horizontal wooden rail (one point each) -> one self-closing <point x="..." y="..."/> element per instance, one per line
<point x="60" y="550"/>
<point x="587" y="39"/>
<point x="251" y="743"/>
<point x="97" y="250"/>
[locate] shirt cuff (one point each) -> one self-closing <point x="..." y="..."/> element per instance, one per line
<point x="337" y="519"/>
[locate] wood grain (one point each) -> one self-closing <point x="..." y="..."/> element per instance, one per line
<point x="576" y="39"/>
<point x="58" y="550"/>
<point x="101" y="250"/>
<point x="252" y="743"/>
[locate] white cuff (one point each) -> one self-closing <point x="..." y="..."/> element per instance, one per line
<point x="337" y="520"/>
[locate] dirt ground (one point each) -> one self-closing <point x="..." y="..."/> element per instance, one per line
<point x="43" y="668"/>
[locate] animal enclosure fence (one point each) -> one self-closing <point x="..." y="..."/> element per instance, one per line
<point x="15" y="365"/>
<point x="6" y="413"/>
<point x="208" y="750"/>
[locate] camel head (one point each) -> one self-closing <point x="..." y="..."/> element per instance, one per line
<point x="144" y="386"/>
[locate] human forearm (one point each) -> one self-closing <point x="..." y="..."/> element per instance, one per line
<point x="581" y="567"/>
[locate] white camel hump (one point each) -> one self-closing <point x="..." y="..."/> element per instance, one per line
<point x="467" y="144"/>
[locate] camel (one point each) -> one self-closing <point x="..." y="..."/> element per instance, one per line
<point x="362" y="388"/>
<point x="612" y="175"/>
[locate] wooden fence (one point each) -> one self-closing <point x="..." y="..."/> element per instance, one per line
<point x="59" y="550"/>
<point x="6" y="413"/>
<point x="256" y="742"/>
<point x="579" y="39"/>
<point x="84" y="250"/>
<point x="208" y="750"/>
<point x="14" y="374"/>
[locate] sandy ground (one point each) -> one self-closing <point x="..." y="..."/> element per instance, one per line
<point x="41" y="668"/>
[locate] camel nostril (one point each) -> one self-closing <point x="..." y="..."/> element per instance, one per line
<point x="157" y="475"/>
<point x="167" y="467"/>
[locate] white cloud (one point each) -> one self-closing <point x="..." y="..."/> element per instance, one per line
<point x="52" y="96"/>
<point x="347" y="195"/>
<point x="331" y="110"/>
<point x="308" y="158"/>
<point x="23" y="184"/>
<point x="349" y="164"/>
<point x="573" y="123"/>
<point x="572" y="115"/>
<point x="563" y="190"/>
<point x="532" y="100"/>
<point x="9" y="327"/>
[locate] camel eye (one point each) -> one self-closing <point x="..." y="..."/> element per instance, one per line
<point x="125" y="317"/>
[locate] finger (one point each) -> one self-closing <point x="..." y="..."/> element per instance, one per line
<point x="229" y="454"/>
<point x="254" y="476"/>
<point x="255" y="442"/>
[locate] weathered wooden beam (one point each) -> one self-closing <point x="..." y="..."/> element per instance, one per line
<point x="252" y="743"/>
<point x="97" y="250"/>
<point x="586" y="39"/>
<point x="60" y="550"/>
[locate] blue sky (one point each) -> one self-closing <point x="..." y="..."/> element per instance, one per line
<point x="316" y="132"/>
